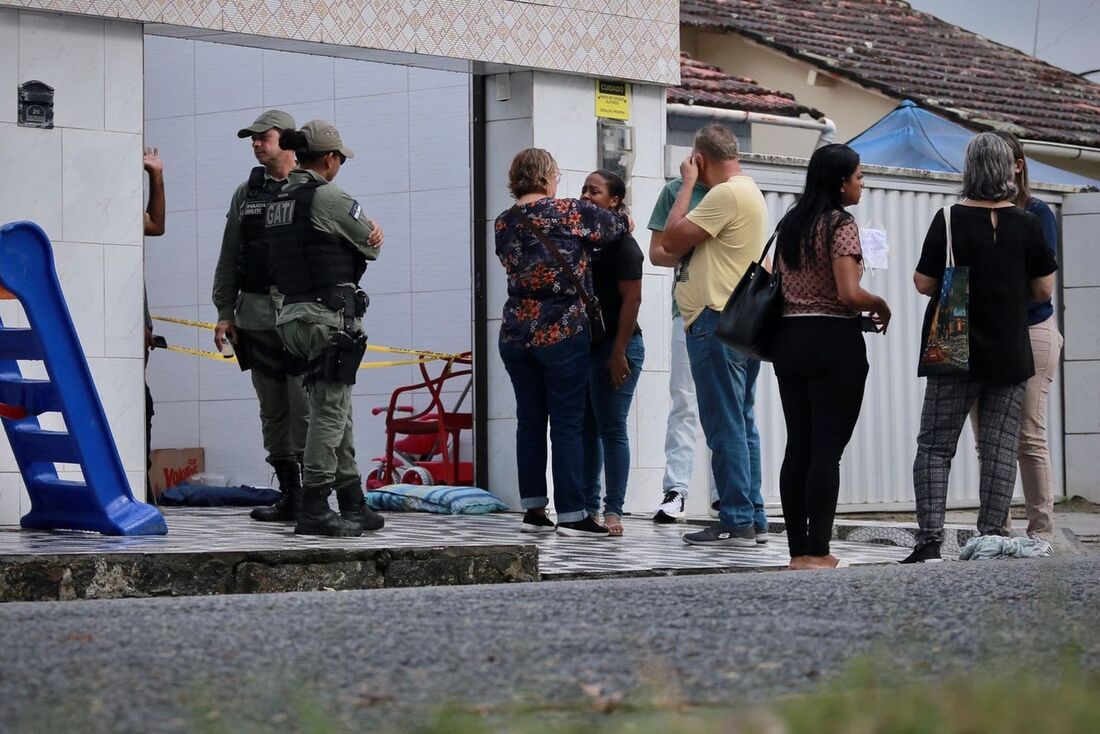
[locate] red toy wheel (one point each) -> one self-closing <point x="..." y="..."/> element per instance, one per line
<point x="417" y="475"/>
<point x="377" y="477"/>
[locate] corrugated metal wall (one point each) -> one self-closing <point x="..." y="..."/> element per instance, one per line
<point x="877" y="466"/>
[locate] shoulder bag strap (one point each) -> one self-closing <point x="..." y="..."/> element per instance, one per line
<point x="947" y="228"/>
<point x="525" y="220"/>
<point x="768" y="246"/>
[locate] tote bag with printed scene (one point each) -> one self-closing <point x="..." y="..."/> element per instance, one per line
<point x="946" y="349"/>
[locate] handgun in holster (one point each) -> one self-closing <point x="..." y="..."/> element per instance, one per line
<point x="340" y="361"/>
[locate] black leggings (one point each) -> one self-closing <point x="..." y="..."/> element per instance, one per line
<point x="821" y="365"/>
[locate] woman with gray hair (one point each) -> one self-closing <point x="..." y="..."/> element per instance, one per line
<point x="1008" y="266"/>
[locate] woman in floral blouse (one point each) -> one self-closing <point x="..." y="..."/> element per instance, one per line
<point x="545" y="335"/>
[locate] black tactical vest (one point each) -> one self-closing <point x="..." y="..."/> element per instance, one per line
<point x="304" y="260"/>
<point x="253" y="273"/>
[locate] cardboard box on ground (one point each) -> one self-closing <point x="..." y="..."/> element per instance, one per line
<point x="174" y="466"/>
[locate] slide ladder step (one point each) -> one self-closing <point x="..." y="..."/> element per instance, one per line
<point x="19" y="344"/>
<point x="35" y="396"/>
<point x="40" y="445"/>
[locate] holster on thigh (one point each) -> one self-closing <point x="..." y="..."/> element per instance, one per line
<point x="271" y="360"/>
<point x="339" y="363"/>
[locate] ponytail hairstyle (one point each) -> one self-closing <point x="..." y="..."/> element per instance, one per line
<point x="296" y="140"/>
<point x="615" y="186"/>
<point x="820" y="205"/>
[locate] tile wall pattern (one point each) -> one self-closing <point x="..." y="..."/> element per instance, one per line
<point x="410" y="130"/>
<point x="630" y="39"/>
<point x="82" y="183"/>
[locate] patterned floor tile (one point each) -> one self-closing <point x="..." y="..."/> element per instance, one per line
<point x="645" y="548"/>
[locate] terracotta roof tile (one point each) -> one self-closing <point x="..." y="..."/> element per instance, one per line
<point x="709" y="86"/>
<point x="886" y="45"/>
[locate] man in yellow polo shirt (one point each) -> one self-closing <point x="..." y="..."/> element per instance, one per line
<point x="717" y="241"/>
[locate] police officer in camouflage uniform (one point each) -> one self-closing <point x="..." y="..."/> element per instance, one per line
<point x="320" y="241"/>
<point x="246" y="313"/>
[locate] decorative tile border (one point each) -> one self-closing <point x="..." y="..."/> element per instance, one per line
<point x="637" y="40"/>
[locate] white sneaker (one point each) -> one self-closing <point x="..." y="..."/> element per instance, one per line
<point x="671" y="508"/>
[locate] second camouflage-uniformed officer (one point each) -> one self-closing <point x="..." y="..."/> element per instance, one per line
<point x="320" y="242"/>
<point x="246" y="313"/>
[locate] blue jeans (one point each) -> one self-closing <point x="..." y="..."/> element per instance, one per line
<point x="725" y="385"/>
<point x="605" y="436"/>
<point x="550" y="383"/>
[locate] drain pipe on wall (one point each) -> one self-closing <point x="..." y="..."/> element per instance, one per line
<point x="826" y="128"/>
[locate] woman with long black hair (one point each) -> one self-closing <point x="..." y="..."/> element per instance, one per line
<point x="819" y="354"/>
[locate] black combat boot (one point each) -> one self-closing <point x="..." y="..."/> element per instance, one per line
<point x="287" y="507"/>
<point x="353" y="506"/>
<point x="317" y="518"/>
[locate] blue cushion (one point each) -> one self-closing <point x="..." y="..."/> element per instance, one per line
<point x="443" y="500"/>
<point x="200" y="495"/>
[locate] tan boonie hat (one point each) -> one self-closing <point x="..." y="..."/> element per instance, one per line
<point x="322" y="137"/>
<point x="276" y="119"/>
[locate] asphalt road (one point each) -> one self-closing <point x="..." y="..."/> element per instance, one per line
<point x="396" y="656"/>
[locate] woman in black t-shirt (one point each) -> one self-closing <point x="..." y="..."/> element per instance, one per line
<point x="1009" y="266"/>
<point x="616" y="361"/>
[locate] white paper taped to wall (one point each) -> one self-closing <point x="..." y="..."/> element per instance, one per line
<point x="875" y="248"/>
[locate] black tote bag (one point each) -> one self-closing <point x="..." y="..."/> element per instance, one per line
<point x="749" y="318"/>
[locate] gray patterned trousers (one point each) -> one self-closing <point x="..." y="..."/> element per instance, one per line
<point x="947" y="401"/>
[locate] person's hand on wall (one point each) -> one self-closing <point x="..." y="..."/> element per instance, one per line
<point x="155" y="211"/>
<point x="152" y="161"/>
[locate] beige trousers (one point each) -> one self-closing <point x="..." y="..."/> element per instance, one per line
<point x="1033" y="456"/>
<point x="1035" y="471"/>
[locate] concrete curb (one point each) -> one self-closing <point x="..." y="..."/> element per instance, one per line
<point x="125" y="575"/>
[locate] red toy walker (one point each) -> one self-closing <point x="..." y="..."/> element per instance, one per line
<point x="433" y="432"/>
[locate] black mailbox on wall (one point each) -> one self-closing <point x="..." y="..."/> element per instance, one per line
<point x="36" y="104"/>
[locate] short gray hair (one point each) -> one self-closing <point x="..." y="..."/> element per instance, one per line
<point x="716" y="142"/>
<point x="989" y="173"/>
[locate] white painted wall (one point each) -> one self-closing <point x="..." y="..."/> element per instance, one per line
<point x="410" y="130"/>
<point x="82" y="183"/>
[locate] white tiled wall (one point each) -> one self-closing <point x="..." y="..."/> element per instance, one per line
<point x="82" y="182"/>
<point x="557" y="112"/>
<point x="410" y="131"/>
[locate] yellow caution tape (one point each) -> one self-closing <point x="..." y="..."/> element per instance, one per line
<point x="186" y="322"/>
<point x="425" y="356"/>
<point x="221" y="358"/>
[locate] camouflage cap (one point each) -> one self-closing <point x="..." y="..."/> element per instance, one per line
<point x="272" y="119"/>
<point x="323" y="137"/>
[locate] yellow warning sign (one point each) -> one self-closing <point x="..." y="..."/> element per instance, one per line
<point x="612" y="99"/>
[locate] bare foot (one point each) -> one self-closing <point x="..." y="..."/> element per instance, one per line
<point x="614" y="525"/>
<point x="821" y="561"/>
<point x="809" y="563"/>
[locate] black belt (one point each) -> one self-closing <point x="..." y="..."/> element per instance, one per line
<point x="320" y="297"/>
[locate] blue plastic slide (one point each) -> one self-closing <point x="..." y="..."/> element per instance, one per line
<point x="103" y="502"/>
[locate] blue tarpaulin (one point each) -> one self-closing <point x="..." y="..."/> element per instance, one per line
<point x="912" y="137"/>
